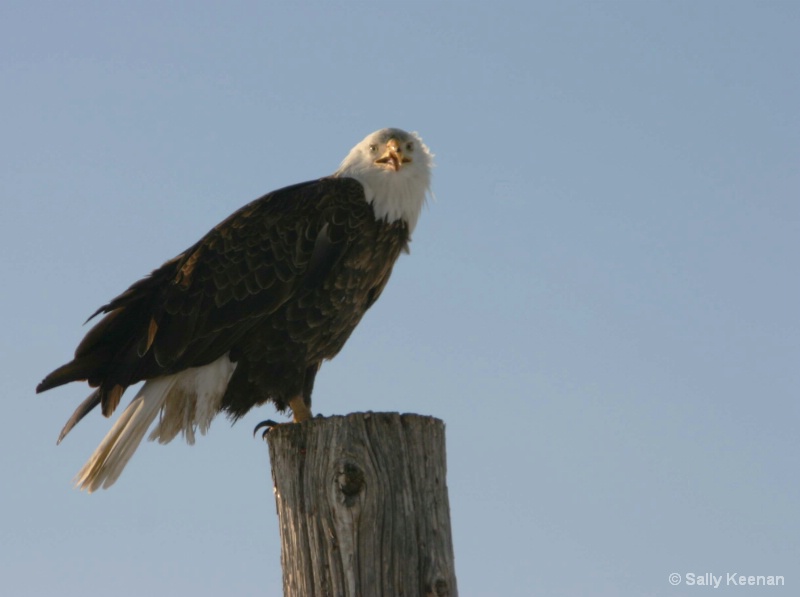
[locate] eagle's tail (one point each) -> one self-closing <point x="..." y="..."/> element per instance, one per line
<point x="187" y="401"/>
<point x="116" y="449"/>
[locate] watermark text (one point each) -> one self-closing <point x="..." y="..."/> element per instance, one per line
<point x="726" y="579"/>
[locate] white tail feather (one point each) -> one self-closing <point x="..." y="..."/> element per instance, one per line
<point x="194" y="401"/>
<point x="116" y="449"/>
<point x="188" y="400"/>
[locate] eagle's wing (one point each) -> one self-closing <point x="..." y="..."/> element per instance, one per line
<point x="191" y="310"/>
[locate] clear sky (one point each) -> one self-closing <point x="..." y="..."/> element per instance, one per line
<point x="602" y="303"/>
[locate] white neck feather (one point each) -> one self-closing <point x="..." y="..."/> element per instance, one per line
<point x="394" y="199"/>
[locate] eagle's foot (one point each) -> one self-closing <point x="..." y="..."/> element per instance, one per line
<point x="266" y="426"/>
<point x="300" y="412"/>
<point x="269" y="425"/>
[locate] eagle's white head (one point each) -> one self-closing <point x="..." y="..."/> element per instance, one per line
<point x="395" y="169"/>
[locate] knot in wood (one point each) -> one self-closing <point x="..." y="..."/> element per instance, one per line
<point x="440" y="588"/>
<point x="350" y="480"/>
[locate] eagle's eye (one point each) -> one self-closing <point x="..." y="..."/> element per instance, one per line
<point x="410" y="146"/>
<point x="373" y="148"/>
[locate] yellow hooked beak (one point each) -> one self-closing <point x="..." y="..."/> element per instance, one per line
<point x="393" y="157"/>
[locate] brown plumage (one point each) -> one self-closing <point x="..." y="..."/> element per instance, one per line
<point x="267" y="295"/>
<point x="230" y="292"/>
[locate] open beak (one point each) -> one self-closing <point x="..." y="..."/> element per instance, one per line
<point x="393" y="156"/>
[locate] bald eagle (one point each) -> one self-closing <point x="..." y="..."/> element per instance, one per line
<point x="248" y="314"/>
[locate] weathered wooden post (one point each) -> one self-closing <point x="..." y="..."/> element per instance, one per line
<point x="363" y="507"/>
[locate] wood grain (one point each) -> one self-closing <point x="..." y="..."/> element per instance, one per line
<point x="363" y="506"/>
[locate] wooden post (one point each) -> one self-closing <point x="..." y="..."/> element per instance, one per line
<point x="363" y="507"/>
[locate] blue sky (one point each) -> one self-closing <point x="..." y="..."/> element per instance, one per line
<point x="601" y="303"/>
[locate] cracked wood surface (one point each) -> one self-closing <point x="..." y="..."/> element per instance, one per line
<point x="363" y="507"/>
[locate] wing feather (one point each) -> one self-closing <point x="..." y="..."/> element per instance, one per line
<point x="197" y="306"/>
